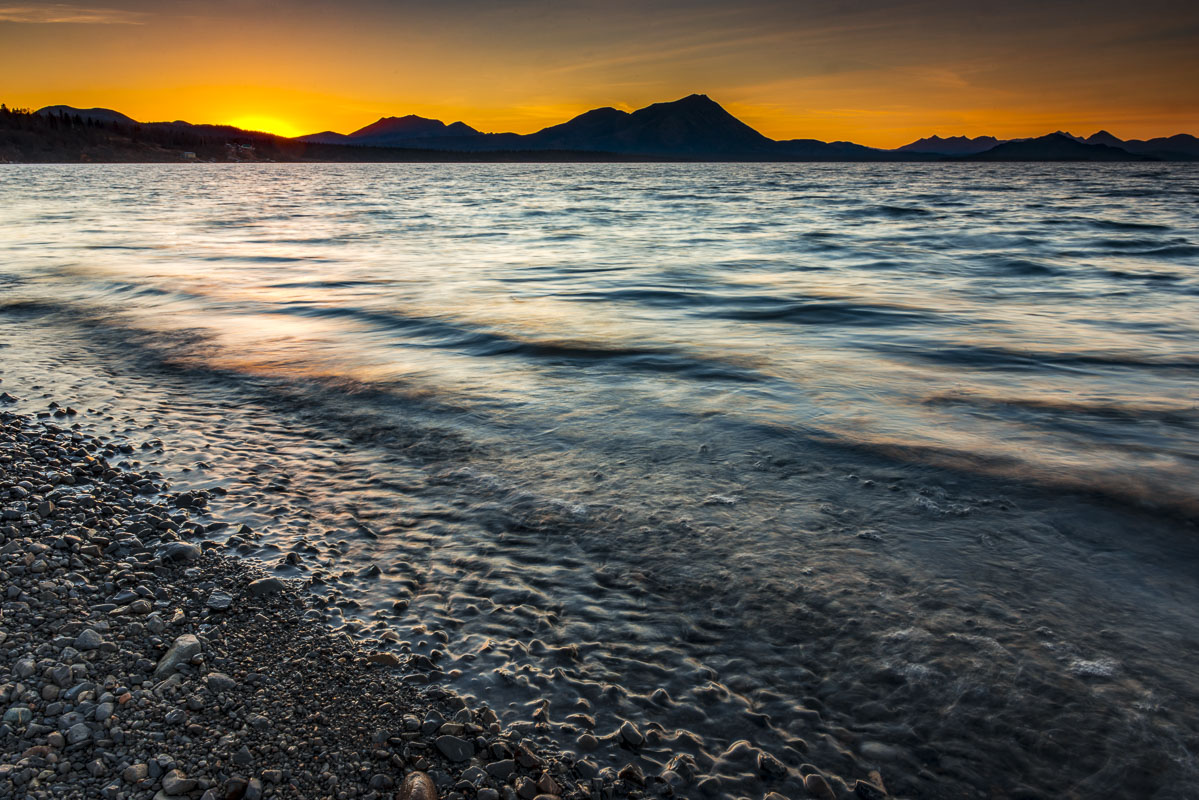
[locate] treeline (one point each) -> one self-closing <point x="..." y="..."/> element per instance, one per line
<point x="27" y="136"/>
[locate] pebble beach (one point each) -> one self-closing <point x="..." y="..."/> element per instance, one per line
<point x="139" y="664"/>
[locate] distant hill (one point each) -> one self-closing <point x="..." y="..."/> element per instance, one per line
<point x="1055" y="147"/>
<point x="1172" y="148"/>
<point x="695" y="125"/>
<point x="97" y="114"/>
<point x="393" y="131"/>
<point x="950" y="146"/>
<point x="693" y="128"/>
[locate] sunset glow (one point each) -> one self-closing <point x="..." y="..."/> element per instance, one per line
<point x="869" y="72"/>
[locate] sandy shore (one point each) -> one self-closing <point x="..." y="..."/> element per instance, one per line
<point x="137" y="664"/>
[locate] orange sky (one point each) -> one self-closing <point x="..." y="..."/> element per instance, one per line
<point x="876" y="73"/>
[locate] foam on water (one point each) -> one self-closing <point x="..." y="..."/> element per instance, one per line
<point x="888" y="469"/>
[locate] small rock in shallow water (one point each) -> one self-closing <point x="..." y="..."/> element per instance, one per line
<point x="265" y="586"/>
<point x="877" y="751"/>
<point x="386" y="659"/>
<point x="868" y="791"/>
<point x="180" y="551"/>
<point x="630" y="735"/>
<point x="818" y="787"/>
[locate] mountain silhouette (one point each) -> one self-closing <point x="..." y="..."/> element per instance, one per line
<point x="394" y="131"/>
<point x="694" y="125"/>
<point x="97" y="114"/>
<point x="1181" y="146"/>
<point x="1055" y="147"/>
<point x="691" y="128"/>
<point x="950" y="146"/>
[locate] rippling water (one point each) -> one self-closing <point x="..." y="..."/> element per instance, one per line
<point x="889" y="469"/>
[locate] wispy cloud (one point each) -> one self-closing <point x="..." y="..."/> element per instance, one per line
<point x="58" y="13"/>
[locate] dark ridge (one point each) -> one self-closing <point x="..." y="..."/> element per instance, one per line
<point x="1055" y="147"/>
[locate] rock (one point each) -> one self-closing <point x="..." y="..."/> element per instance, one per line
<point x="184" y="648"/>
<point x="135" y="772"/>
<point x="877" y="751"/>
<point x="243" y="756"/>
<point x="140" y="607"/>
<point x="18" y="716"/>
<point x="868" y="791"/>
<point x="632" y="774"/>
<point x="235" y="788"/>
<point x="79" y="732"/>
<point x="769" y="765"/>
<point x="474" y="776"/>
<point x="218" y="682"/>
<point x="818" y="787"/>
<point x="630" y="735"/>
<point x="220" y="601"/>
<point x="180" y="551"/>
<point x="454" y="748"/>
<point x="266" y="586"/>
<point x="417" y="786"/>
<point x="253" y="790"/>
<point x="175" y="782"/>
<point x="88" y="639"/>
<point x="502" y="770"/>
<point x="385" y="659"/>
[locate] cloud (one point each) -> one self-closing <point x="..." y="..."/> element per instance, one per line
<point x="57" y="13"/>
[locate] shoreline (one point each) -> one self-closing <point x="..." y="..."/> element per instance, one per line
<point x="139" y="664"/>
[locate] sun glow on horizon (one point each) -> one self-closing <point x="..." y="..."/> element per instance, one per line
<point x="266" y="124"/>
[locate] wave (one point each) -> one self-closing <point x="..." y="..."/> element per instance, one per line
<point x="827" y="313"/>
<point x="998" y="358"/>
<point x="482" y="343"/>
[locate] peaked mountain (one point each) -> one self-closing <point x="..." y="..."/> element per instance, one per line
<point x="394" y="131"/>
<point x="950" y="146"/>
<point x="1055" y="147"/>
<point x="97" y="114"/>
<point x="695" y="125"/>
<point x="1103" y="137"/>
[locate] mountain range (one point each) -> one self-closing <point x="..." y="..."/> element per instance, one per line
<point x="697" y="128"/>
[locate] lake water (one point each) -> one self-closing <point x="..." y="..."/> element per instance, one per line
<point x="888" y="471"/>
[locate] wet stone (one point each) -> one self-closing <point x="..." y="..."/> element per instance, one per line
<point x="455" y="748"/>
<point x="816" y="786"/>
<point x="631" y="735"/>
<point x="220" y="601"/>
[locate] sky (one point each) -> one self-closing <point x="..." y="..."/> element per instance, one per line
<point x="872" y="72"/>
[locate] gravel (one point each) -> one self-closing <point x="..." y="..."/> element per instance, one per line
<point x="135" y="664"/>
